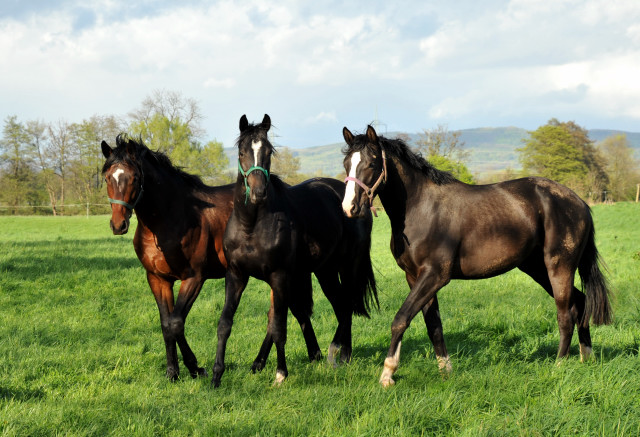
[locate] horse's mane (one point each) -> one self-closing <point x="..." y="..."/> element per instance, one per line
<point x="402" y="151"/>
<point x="128" y="148"/>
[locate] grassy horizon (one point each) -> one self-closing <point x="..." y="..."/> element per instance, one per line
<point x="81" y="351"/>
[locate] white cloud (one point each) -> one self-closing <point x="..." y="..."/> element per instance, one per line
<point x="323" y="116"/>
<point x="503" y="61"/>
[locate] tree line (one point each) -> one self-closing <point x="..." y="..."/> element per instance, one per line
<point x="55" y="168"/>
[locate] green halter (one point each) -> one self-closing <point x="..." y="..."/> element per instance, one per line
<point x="246" y="175"/>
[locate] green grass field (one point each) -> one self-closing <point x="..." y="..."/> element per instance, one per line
<point x="81" y="352"/>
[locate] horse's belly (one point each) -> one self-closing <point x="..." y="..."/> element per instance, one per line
<point x="491" y="259"/>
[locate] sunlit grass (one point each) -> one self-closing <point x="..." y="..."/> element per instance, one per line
<point x="81" y="352"/>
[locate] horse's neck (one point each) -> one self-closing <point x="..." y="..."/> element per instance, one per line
<point x="156" y="204"/>
<point x="402" y="192"/>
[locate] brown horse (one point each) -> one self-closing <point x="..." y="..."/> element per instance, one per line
<point x="181" y="222"/>
<point x="443" y="229"/>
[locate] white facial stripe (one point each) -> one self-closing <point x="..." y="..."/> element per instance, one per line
<point x="116" y="175"/>
<point x="256" y="145"/>
<point x="350" y="190"/>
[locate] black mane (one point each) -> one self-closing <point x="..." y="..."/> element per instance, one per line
<point x="129" y="150"/>
<point x="400" y="149"/>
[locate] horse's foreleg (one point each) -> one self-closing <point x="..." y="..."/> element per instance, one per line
<point x="163" y="293"/>
<point x="189" y="290"/>
<point x="423" y="290"/>
<point x="265" y="349"/>
<point x="234" y="286"/>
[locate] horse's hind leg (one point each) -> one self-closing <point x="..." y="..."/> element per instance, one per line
<point x="431" y="314"/>
<point x="570" y="304"/>
<point x="301" y="305"/>
<point x="577" y="312"/>
<point x="335" y="293"/>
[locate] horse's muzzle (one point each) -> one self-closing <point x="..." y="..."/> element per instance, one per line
<point x="121" y="228"/>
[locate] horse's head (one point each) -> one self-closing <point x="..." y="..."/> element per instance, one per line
<point x="365" y="165"/>
<point x="254" y="158"/>
<point x="124" y="177"/>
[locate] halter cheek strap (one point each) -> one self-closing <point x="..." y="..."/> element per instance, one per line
<point x="246" y="175"/>
<point x="129" y="206"/>
<point x="371" y="192"/>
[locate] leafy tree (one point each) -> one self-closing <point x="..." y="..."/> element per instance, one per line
<point x="621" y="166"/>
<point x="168" y="122"/>
<point x="442" y="142"/>
<point x="287" y="166"/>
<point x="456" y="168"/>
<point x="16" y="158"/>
<point x="86" y="167"/>
<point x="563" y="152"/>
<point x="445" y="151"/>
<point x="61" y="154"/>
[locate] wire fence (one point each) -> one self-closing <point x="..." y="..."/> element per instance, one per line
<point x="66" y="209"/>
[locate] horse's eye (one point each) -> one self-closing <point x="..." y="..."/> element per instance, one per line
<point x="240" y="154"/>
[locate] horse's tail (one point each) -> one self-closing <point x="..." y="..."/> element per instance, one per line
<point x="358" y="278"/>
<point x="594" y="284"/>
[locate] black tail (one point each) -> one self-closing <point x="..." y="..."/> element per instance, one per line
<point x="594" y="284"/>
<point x="357" y="277"/>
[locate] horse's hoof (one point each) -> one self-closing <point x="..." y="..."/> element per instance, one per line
<point x="280" y="377"/>
<point x="173" y="375"/>
<point x="199" y="373"/>
<point x="315" y="357"/>
<point x="257" y="366"/>
<point x="387" y="382"/>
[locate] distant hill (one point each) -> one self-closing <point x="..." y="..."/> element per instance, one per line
<point x="492" y="149"/>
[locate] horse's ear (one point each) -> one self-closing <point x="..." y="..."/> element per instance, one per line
<point x="106" y="149"/>
<point x="372" y="136"/>
<point x="244" y="123"/>
<point x="348" y="136"/>
<point x="266" y="122"/>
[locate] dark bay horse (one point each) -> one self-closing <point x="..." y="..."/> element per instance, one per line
<point x="443" y="229"/>
<point x="281" y="234"/>
<point x="181" y="222"/>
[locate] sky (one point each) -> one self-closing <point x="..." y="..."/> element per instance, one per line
<point x="315" y="67"/>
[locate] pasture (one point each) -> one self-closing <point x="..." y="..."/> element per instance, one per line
<point x="81" y="351"/>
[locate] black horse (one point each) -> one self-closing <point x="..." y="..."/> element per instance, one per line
<point x="181" y="222"/>
<point x="281" y="234"/>
<point x="443" y="229"/>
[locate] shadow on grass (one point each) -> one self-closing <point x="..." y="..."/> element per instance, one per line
<point x="44" y="257"/>
<point x="469" y="344"/>
<point x="20" y="395"/>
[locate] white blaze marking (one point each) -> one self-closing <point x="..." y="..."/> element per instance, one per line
<point x="116" y="175"/>
<point x="350" y="190"/>
<point x="256" y="145"/>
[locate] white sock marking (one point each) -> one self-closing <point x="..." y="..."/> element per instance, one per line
<point x="350" y="190"/>
<point x="256" y="145"/>
<point x="279" y="378"/>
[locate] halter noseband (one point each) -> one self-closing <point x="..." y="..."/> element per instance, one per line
<point x="246" y="175"/>
<point x="371" y="192"/>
